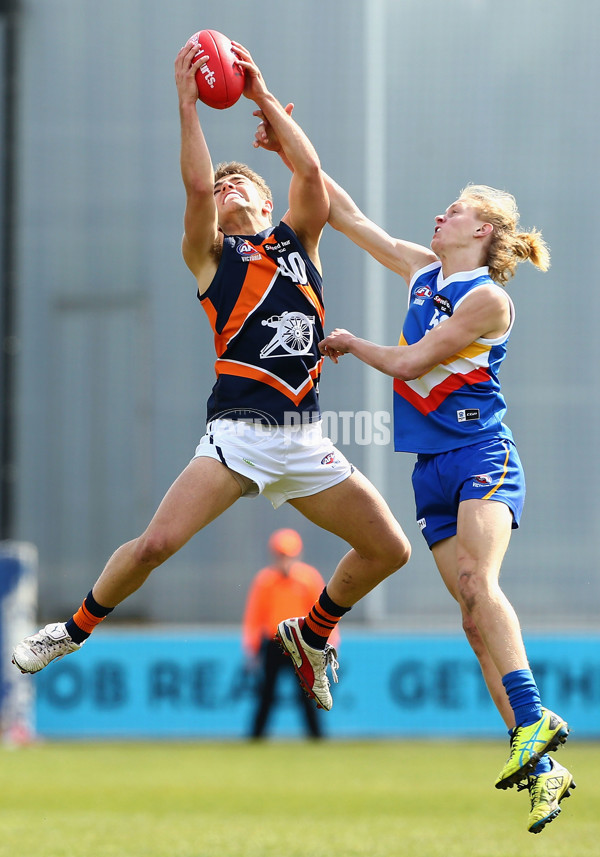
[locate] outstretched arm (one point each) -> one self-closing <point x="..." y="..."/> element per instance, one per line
<point x="201" y="234"/>
<point x="403" y="257"/>
<point x="485" y="313"/>
<point x="308" y="201"/>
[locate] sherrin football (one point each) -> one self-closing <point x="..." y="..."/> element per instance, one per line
<point x="221" y="81"/>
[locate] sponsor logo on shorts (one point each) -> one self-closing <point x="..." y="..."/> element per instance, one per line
<point x="484" y="480"/>
<point x="421" y="523"/>
<point x="329" y="458"/>
<point x="251" y="463"/>
<point x="467" y="414"/>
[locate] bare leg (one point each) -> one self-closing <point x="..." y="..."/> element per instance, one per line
<point x="484" y="529"/>
<point x="204" y="490"/>
<point x="199" y="495"/>
<point x="355" y="511"/>
<point x="470" y="565"/>
<point x="445" y="556"/>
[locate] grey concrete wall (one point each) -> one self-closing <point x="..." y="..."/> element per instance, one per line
<point x="116" y="355"/>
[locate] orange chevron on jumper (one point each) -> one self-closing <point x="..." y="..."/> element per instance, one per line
<point x="265" y="308"/>
<point x="244" y="370"/>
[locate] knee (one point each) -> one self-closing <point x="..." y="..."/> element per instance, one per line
<point x="152" y="549"/>
<point x="394" y="552"/>
<point x="403" y="552"/>
<point x="476" y="587"/>
<point x="469" y="584"/>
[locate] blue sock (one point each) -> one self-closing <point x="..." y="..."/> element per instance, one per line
<point x="523" y="696"/>
<point x="543" y="766"/>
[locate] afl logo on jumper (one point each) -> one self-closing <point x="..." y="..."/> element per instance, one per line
<point x="483" y="480"/>
<point x="247" y="252"/>
<point x="421" y="294"/>
<point x="329" y="458"/>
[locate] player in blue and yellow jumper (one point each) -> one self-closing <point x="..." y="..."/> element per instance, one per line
<point x="448" y="409"/>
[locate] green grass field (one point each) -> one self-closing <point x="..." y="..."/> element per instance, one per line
<point x="301" y="799"/>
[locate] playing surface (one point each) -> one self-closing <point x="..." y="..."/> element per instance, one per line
<point x="382" y="799"/>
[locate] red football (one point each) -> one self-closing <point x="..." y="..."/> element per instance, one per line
<point x="221" y="80"/>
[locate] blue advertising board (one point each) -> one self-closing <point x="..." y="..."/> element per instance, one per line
<point x="18" y="604"/>
<point x="195" y="684"/>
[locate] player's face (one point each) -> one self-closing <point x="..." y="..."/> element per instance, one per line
<point x="232" y="192"/>
<point x="456" y="228"/>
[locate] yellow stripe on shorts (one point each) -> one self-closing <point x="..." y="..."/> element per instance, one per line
<point x="502" y="478"/>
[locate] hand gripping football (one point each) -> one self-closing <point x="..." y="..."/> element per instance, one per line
<point x="221" y="80"/>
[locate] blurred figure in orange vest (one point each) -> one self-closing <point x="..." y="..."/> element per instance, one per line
<point x="286" y="587"/>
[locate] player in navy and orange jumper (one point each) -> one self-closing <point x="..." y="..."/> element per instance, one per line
<point x="265" y="305"/>
<point x="260" y="285"/>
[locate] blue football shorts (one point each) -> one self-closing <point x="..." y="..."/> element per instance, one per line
<point x="489" y="470"/>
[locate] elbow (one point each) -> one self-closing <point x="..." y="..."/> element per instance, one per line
<point x="409" y="362"/>
<point x="344" y="221"/>
<point x="198" y="189"/>
<point x="402" y="375"/>
<point x="197" y="183"/>
<point x="311" y="171"/>
<point x="313" y="168"/>
<point x="405" y="369"/>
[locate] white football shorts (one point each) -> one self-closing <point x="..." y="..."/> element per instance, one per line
<point x="281" y="462"/>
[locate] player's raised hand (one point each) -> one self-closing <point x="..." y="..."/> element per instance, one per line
<point x="254" y="85"/>
<point x="264" y="136"/>
<point x="186" y="66"/>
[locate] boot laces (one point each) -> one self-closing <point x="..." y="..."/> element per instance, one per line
<point x="330" y="660"/>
